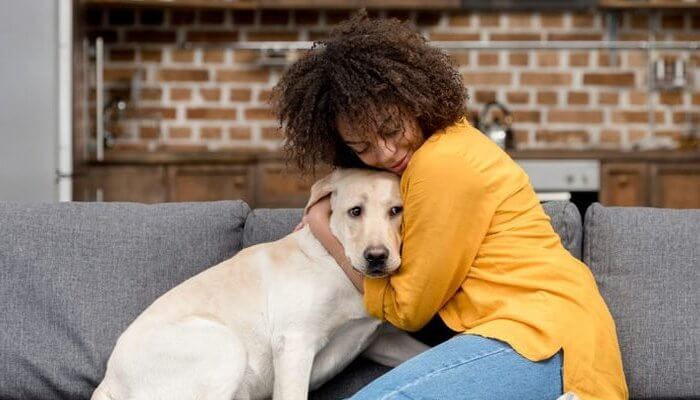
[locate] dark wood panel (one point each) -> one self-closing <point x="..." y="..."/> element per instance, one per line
<point x="624" y="184"/>
<point x="142" y="184"/>
<point x="278" y="186"/>
<point x="210" y="183"/>
<point x="675" y="186"/>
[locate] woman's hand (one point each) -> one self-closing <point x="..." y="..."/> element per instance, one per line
<point x="304" y="221"/>
<point x="318" y="218"/>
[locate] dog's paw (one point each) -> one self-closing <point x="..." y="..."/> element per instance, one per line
<point x="568" y="396"/>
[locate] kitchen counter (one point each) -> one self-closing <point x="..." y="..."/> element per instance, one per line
<point x="251" y="156"/>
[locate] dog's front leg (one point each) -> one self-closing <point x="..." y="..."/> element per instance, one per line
<point x="393" y="346"/>
<point x="293" y="359"/>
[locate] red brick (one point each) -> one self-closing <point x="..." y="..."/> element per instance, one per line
<point x="526" y="116"/>
<point x="547" y="98"/>
<point x="487" y="78"/>
<point x="272" y="132"/>
<point x="459" y="18"/>
<point x="518" y="97"/>
<point x="179" y="94"/>
<point x="242" y="76"/>
<point x="180" y="132"/>
<point x="239" y="95"/>
<point x="148" y="132"/>
<point x="608" y="98"/>
<point x="487" y="59"/>
<point x="562" y="136"/>
<point x="635" y="117"/>
<point x="273" y="36"/>
<point x="259" y="114"/>
<point x="609" y="79"/>
<point x="519" y="59"/>
<point x="210" y="132"/>
<point x="150" y="36"/>
<point x="450" y="36"/>
<point x="514" y="37"/>
<point x="183" y="75"/>
<point x="210" y="94"/>
<point x="578" y="59"/>
<point x="211" y="113"/>
<point x="182" y="55"/>
<point x="239" y="133"/>
<point x="224" y="36"/>
<point x="545" y="79"/>
<point x="151" y="55"/>
<point x="575" y="116"/>
<point x="578" y="98"/>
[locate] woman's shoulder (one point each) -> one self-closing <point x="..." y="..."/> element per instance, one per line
<point x="463" y="150"/>
<point x="460" y="141"/>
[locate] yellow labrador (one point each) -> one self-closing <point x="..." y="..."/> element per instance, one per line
<point x="274" y="320"/>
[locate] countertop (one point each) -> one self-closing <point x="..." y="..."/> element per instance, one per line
<point x="253" y="156"/>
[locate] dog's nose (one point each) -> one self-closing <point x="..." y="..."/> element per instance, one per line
<point x="376" y="254"/>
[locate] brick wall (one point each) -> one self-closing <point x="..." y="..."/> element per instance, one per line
<point x="197" y="94"/>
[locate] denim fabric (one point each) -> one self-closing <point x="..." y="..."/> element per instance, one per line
<point x="469" y="367"/>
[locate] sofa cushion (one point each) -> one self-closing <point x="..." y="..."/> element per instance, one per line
<point x="266" y="225"/>
<point x="647" y="265"/>
<point x="74" y="275"/>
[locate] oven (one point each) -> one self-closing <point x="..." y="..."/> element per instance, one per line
<point x="575" y="180"/>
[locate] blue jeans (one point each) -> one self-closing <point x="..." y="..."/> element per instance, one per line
<point x="469" y="367"/>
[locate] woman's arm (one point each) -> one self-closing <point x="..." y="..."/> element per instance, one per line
<point x="447" y="211"/>
<point x="319" y="218"/>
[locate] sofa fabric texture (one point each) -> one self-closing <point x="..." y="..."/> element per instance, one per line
<point x="647" y="265"/>
<point x="74" y="275"/>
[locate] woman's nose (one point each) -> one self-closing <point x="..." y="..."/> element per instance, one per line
<point x="385" y="151"/>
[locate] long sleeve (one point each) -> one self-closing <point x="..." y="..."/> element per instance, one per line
<point x="447" y="212"/>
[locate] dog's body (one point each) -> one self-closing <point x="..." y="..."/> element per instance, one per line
<point x="275" y="320"/>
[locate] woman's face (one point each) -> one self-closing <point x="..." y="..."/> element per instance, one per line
<point x="391" y="147"/>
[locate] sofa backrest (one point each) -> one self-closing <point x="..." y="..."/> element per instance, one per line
<point x="266" y="225"/>
<point x="646" y="262"/>
<point x="74" y="275"/>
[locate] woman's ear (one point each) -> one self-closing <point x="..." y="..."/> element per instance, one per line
<point x="322" y="188"/>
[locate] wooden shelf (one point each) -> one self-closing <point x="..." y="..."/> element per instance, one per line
<point x="649" y="4"/>
<point x="285" y="4"/>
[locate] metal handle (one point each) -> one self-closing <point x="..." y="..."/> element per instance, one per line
<point x="99" y="100"/>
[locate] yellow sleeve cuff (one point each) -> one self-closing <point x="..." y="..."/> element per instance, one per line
<point x="375" y="288"/>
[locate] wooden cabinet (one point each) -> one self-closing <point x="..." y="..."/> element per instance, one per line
<point x="209" y="183"/>
<point x="675" y="185"/>
<point x="624" y="184"/>
<point x="654" y="184"/>
<point x="669" y="180"/>
<point x="278" y="186"/>
<point x="260" y="184"/>
<point x="134" y="183"/>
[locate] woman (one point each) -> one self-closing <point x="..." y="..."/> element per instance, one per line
<point x="480" y="260"/>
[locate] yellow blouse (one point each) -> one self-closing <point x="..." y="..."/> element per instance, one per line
<point x="479" y="250"/>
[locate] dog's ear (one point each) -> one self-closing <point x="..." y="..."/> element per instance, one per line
<point x="322" y="188"/>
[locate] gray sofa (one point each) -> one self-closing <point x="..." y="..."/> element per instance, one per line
<point x="74" y="275"/>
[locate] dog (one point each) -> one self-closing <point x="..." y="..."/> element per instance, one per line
<point x="277" y="319"/>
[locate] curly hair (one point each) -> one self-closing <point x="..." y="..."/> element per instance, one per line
<point x="368" y="70"/>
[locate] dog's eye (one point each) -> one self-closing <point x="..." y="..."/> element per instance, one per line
<point x="355" y="211"/>
<point x="395" y="211"/>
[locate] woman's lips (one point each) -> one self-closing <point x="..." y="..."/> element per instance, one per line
<point x="401" y="165"/>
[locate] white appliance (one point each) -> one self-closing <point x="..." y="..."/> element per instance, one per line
<point x="35" y="100"/>
<point x="576" y="180"/>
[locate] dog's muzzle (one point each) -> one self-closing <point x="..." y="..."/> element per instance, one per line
<point x="376" y="257"/>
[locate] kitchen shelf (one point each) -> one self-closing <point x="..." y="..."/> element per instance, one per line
<point x="649" y="4"/>
<point x="286" y="4"/>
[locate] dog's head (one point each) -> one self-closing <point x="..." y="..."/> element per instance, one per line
<point x="366" y="217"/>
